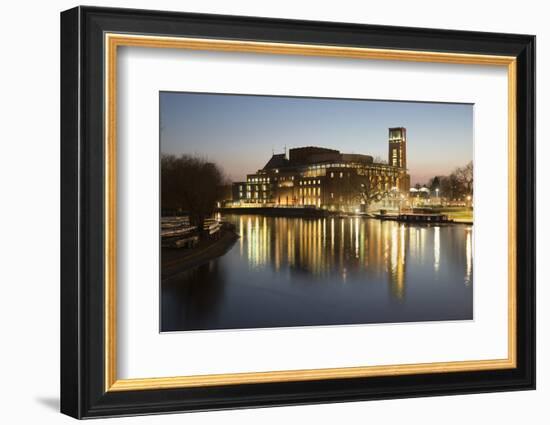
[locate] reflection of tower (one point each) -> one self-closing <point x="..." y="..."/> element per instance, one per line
<point x="397" y="262"/>
<point x="397" y="153"/>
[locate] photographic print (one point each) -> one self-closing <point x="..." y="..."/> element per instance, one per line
<point x="233" y="185"/>
<point x="282" y="211"/>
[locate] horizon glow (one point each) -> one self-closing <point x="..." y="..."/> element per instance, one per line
<point x="240" y="132"/>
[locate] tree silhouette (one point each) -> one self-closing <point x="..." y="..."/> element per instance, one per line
<point x="191" y="184"/>
<point x="465" y="177"/>
<point x="456" y="185"/>
<point x="367" y="189"/>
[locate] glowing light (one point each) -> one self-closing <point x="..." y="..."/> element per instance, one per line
<point x="357" y="237"/>
<point x="468" y="277"/>
<point x="241" y="234"/>
<point x="436" y="248"/>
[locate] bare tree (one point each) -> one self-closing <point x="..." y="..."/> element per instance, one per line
<point x="465" y="177"/>
<point x="367" y="190"/>
<point x="456" y="185"/>
<point x="191" y="184"/>
<point x="450" y="187"/>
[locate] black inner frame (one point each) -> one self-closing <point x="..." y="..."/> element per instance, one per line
<point x="82" y="212"/>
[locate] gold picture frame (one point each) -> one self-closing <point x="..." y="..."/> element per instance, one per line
<point x="114" y="41"/>
<point x="91" y="40"/>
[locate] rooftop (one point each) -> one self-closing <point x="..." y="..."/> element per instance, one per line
<point x="277" y="161"/>
<point x="313" y="155"/>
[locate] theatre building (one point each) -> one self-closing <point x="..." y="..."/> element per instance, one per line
<point x="326" y="178"/>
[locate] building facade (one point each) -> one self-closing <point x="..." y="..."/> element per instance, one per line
<point x="397" y="155"/>
<point x="326" y="178"/>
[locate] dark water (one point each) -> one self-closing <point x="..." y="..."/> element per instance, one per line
<point x="302" y="272"/>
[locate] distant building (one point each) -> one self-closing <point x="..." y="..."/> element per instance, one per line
<point x="397" y="155"/>
<point x="327" y="178"/>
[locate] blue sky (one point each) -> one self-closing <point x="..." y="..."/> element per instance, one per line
<point x="240" y="132"/>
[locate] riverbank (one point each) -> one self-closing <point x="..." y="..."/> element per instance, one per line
<point x="277" y="211"/>
<point x="175" y="261"/>
<point x="455" y="215"/>
<point x="459" y="215"/>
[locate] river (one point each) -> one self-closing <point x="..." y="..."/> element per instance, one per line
<point x="326" y="271"/>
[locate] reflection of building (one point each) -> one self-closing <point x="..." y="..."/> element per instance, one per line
<point x="361" y="250"/>
<point x="326" y="178"/>
<point x="347" y="247"/>
<point x="396" y="264"/>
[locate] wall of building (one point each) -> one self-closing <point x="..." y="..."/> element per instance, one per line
<point x="326" y="178"/>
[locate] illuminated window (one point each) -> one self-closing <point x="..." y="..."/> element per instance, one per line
<point x="331" y="175"/>
<point x="331" y="195"/>
<point x="341" y="175"/>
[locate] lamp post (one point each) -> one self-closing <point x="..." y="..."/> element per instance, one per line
<point x="437" y="195"/>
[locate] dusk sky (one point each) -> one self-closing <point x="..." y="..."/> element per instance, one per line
<point x="240" y="132"/>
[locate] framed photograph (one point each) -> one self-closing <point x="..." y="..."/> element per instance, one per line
<point x="261" y="212"/>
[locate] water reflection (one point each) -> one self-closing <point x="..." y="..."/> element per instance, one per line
<point x="468" y="277"/>
<point x="309" y="245"/>
<point x="295" y="272"/>
<point x="205" y="286"/>
<point x="436" y="248"/>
